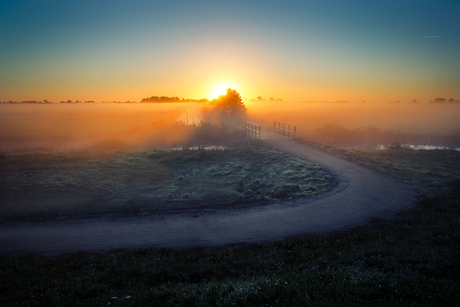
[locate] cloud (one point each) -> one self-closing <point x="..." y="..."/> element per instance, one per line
<point x="433" y="36"/>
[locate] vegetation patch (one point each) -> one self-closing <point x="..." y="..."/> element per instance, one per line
<point x="429" y="172"/>
<point x="110" y="179"/>
<point x="285" y="190"/>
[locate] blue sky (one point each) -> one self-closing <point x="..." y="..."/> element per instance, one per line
<point x="296" y="50"/>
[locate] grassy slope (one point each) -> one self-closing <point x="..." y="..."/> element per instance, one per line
<point x="413" y="260"/>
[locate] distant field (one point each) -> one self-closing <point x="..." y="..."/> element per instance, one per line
<point x="76" y="126"/>
<point x="365" y="124"/>
<point x="29" y="127"/>
<point x="420" y="118"/>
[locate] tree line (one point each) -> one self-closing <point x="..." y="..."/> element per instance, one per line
<point x="171" y="99"/>
<point x="444" y="100"/>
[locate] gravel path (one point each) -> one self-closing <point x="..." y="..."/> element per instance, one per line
<point x="360" y="194"/>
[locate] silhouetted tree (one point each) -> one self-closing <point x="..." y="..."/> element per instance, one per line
<point x="231" y="104"/>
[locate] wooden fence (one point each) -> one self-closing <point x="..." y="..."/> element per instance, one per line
<point x="285" y="129"/>
<point x="253" y="130"/>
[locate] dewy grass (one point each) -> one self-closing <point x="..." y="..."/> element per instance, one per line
<point x="413" y="260"/>
<point x="427" y="171"/>
<point x="63" y="184"/>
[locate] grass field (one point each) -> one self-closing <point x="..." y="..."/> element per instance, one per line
<point x="429" y="172"/>
<point x="413" y="260"/>
<point x="43" y="185"/>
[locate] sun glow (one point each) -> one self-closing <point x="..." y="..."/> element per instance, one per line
<point x="220" y="90"/>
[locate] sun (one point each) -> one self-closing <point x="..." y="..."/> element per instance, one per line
<point x="220" y="90"/>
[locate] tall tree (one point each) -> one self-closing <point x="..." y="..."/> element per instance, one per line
<point x="231" y="104"/>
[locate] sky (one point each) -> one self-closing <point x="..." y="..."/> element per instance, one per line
<point x="377" y="51"/>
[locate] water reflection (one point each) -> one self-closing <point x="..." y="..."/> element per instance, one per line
<point x="200" y="147"/>
<point x="420" y="147"/>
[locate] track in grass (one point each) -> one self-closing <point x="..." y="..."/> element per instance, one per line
<point x="360" y="195"/>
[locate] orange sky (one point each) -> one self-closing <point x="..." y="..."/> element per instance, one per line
<point x="302" y="51"/>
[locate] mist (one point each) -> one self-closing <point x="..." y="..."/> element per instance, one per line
<point x="36" y="127"/>
<point x="435" y="123"/>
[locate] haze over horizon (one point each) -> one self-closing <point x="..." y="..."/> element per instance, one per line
<point x="295" y="50"/>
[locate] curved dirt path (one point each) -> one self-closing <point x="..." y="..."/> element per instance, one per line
<point x="359" y="195"/>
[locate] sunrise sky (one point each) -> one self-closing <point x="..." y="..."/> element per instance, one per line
<point x="296" y="50"/>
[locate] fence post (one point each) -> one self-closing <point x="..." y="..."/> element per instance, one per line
<point x="252" y="130"/>
<point x="290" y="129"/>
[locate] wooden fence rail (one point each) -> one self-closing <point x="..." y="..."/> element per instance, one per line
<point x="253" y="130"/>
<point x="285" y="129"/>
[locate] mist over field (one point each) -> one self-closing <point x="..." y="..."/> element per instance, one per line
<point x="32" y="127"/>
<point x="28" y="127"/>
<point x="422" y="123"/>
<point x="425" y="118"/>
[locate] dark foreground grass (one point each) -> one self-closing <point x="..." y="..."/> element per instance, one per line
<point x="413" y="260"/>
